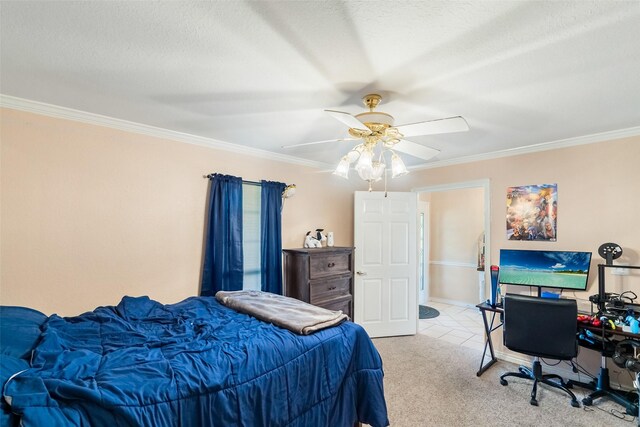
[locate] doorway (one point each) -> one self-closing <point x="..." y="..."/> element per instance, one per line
<point x="454" y="224"/>
<point x="423" y="251"/>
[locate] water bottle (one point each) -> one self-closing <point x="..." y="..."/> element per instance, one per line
<point x="330" y="239"/>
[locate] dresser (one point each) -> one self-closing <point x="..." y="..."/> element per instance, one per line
<point x="320" y="276"/>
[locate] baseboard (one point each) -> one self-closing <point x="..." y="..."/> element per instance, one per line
<point x="451" y="302"/>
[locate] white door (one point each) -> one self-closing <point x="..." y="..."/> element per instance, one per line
<point x="385" y="294"/>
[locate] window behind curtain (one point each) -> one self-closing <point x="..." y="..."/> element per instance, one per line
<point x="251" y="235"/>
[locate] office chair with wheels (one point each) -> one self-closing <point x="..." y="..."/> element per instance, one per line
<point x="540" y="327"/>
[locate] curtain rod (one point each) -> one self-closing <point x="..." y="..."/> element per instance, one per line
<point x="243" y="181"/>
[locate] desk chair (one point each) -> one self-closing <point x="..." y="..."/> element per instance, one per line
<point x="540" y="327"/>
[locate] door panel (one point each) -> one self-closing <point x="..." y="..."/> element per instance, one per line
<point x="399" y="244"/>
<point x="372" y="244"/>
<point x="372" y="301"/>
<point x="398" y="295"/>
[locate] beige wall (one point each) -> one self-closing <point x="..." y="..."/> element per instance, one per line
<point x="89" y="213"/>
<point x="598" y="202"/>
<point x="456" y="222"/>
<point x="598" y="189"/>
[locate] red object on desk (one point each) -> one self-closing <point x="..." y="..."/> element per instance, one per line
<point x="596" y="322"/>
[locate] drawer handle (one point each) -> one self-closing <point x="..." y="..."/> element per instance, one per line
<point x="332" y="264"/>
<point x="331" y="288"/>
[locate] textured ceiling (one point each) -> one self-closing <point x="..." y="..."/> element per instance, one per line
<point x="259" y="74"/>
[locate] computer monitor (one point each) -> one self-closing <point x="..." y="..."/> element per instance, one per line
<point x="545" y="269"/>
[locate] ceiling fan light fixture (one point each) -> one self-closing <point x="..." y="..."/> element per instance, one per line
<point x="379" y="135"/>
<point x="397" y="166"/>
<point x="343" y="168"/>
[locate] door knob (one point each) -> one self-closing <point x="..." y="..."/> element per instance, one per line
<point x="361" y="273"/>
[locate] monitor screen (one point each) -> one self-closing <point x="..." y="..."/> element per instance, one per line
<point x="545" y="269"/>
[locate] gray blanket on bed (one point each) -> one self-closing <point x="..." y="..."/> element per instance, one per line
<point x="285" y="312"/>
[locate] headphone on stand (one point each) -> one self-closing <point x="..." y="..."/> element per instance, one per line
<point x="610" y="251"/>
<point x="624" y="355"/>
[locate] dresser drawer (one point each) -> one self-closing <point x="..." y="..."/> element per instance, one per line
<point x="343" y="304"/>
<point x="328" y="265"/>
<point x="329" y="289"/>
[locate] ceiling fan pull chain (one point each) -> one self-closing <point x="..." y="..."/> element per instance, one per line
<point x="385" y="184"/>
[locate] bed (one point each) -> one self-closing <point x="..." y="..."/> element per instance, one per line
<point x="194" y="363"/>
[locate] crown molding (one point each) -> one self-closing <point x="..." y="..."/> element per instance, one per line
<point x="56" y="111"/>
<point x="534" y="148"/>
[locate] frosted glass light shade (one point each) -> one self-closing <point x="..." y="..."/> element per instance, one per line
<point x="397" y="166"/>
<point x="366" y="157"/>
<point x="343" y="168"/>
<point x="378" y="170"/>
<point x="354" y="154"/>
<point x="374" y="173"/>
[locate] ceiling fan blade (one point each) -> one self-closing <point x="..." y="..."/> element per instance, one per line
<point x="415" y="150"/>
<point x="317" y="142"/>
<point x="432" y="127"/>
<point x="347" y="119"/>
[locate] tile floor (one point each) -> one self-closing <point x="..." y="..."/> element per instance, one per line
<point x="455" y="324"/>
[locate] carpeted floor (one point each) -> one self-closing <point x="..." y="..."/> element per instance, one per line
<point x="429" y="382"/>
<point x="426" y="312"/>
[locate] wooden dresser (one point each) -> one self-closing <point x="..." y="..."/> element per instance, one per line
<point x="320" y="276"/>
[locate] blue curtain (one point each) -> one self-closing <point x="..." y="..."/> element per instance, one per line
<point x="271" y="236"/>
<point x="223" y="262"/>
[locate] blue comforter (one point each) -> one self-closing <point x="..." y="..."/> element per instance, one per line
<point x="196" y="363"/>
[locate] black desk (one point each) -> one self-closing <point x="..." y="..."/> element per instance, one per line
<point x="489" y="327"/>
<point x="600" y="386"/>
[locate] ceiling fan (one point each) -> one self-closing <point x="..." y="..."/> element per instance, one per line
<point x="373" y="127"/>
